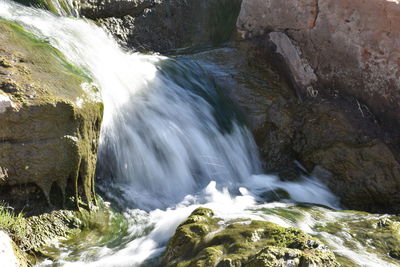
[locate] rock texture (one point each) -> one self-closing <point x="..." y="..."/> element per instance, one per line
<point x="201" y="241"/>
<point x="337" y="140"/>
<point x="342" y="58"/>
<point x="50" y="121"/>
<point x="161" y="26"/>
<point x="353" y="46"/>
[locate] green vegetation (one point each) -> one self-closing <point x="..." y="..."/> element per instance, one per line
<point x="203" y="240"/>
<point x="10" y="222"/>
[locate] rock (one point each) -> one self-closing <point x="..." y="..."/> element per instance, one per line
<point x="10" y="255"/>
<point x="260" y="16"/>
<point x="161" y="26"/>
<point x="366" y="171"/>
<point x="334" y="139"/>
<point x="341" y="58"/>
<point x="352" y="46"/>
<point x="51" y="116"/>
<point x="263" y="97"/>
<point x="303" y="75"/>
<point x="378" y="234"/>
<point x="95" y="9"/>
<point x="202" y="241"/>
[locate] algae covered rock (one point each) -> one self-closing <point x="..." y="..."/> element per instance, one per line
<point x="203" y="240"/>
<point x="50" y="122"/>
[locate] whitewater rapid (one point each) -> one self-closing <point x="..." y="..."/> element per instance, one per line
<point x="167" y="146"/>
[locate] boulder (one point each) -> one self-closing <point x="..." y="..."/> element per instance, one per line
<point x="202" y="241"/>
<point x="351" y="45"/>
<point x="50" y="116"/>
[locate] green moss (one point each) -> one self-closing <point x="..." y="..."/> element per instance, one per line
<point x="202" y="241"/>
<point x="50" y="65"/>
<point x="103" y="227"/>
<point x="377" y="236"/>
<point x="59" y="98"/>
<point x="294" y="214"/>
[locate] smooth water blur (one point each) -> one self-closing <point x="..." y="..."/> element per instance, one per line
<point x="169" y="143"/>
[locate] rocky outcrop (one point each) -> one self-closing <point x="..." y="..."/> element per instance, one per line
<point x="336" y="140"/>
<point x="202" y="241"/>
<point x="50" y="122"/>
<point x="341" y="57"/>
<point x="352" y="46"/>
<point x="162" y="26"/>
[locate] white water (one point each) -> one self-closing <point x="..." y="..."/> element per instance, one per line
<point x="166" y="147"/>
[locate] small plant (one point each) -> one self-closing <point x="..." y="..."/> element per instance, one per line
<point x="12" y="223"/>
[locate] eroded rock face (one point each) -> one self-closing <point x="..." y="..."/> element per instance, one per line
<point x="353" y="46"/>
<point x="50" y="121"/>
<point x="202" y="241"/>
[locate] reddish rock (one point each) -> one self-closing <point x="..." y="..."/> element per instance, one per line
<point x="352" y="45"/>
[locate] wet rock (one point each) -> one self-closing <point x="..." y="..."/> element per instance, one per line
<point x="202" y="241"/>
<point x="263" y="97"/>
<point x="335" y="139"/>
<point x="162" y="26"/>
<point x="50" y="117"/>
<point x="378" y="234"/>
<point x="367" y="171"/>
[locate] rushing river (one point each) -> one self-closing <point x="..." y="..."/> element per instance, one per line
<point x="170" y="142"/>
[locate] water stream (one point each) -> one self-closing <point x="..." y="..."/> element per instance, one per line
<point x="170" y="142"/>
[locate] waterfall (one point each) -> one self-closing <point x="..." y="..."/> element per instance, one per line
<point x="170" y="142"/>
<point x="164" y="134"/>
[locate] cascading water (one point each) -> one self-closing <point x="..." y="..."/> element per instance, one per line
<point x="169" y="144"/>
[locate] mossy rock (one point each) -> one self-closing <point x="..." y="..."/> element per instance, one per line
<point x="377" y="234"/>
<point x="30" y="235"/>
<point x="47" y="236"/>
<point x="50" y="114"/>
<point x="203" y="240"/>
